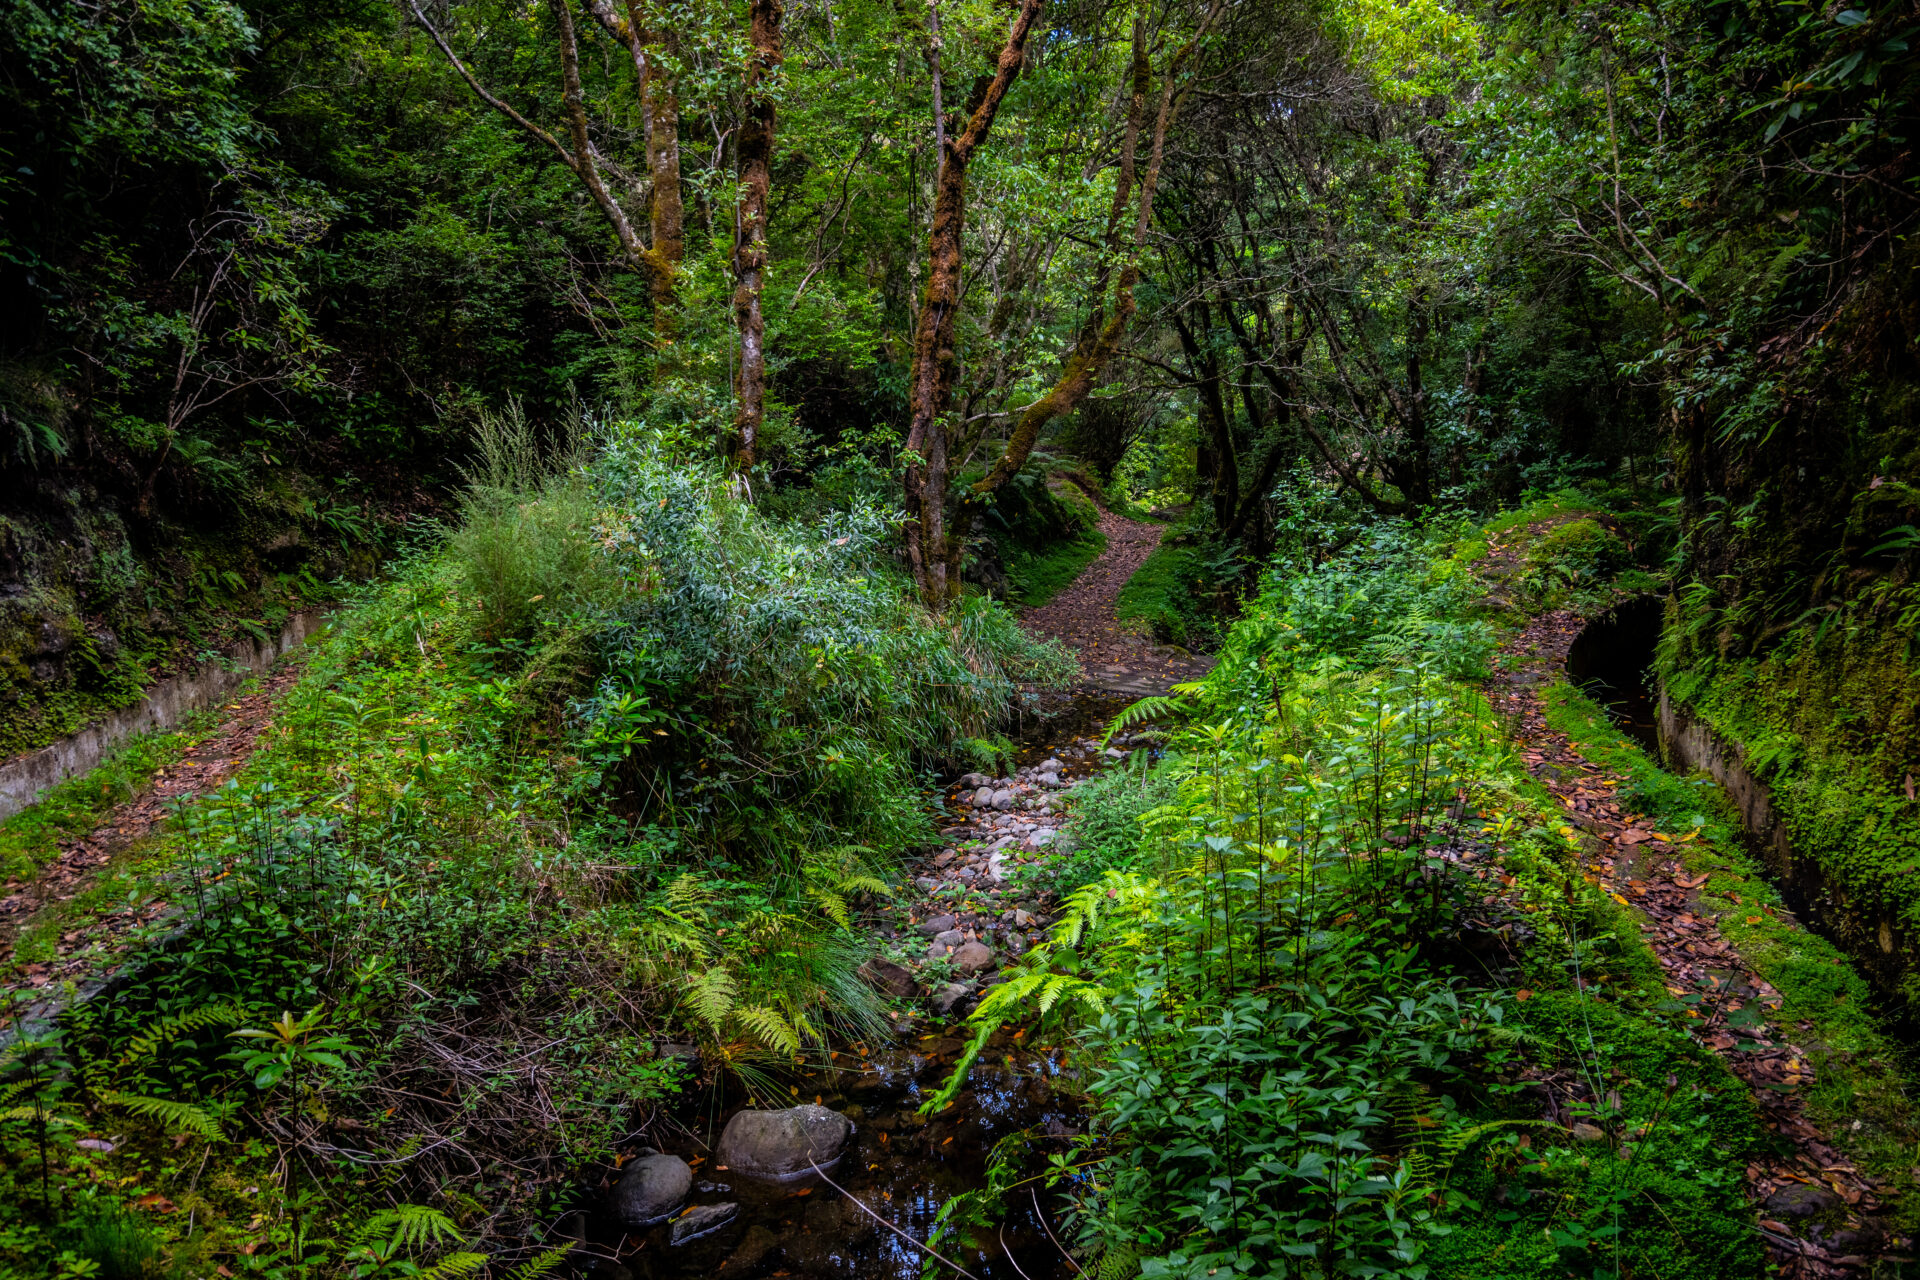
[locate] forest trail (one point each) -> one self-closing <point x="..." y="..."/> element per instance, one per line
<point x="1117" y="657"/>
<point x="1623" y="854"/>
<point x="204" y="766"/>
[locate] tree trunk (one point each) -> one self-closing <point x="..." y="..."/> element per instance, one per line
<point x="930" y="386"/>
<point x="750" y="231"/>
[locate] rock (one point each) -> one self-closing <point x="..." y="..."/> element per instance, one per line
<point x="997" y="867"/>
<point x="934" y="925"/>
<point x="778" y="1144"/>
<point x="700" y="1221"/>
<point x="1050" y="765"/>
<point x="1001" y="799"/>
<point x="1584" y="1132"/>
<point x="1797" y="1200"/>
<point x="1042" y="838"/>
<point x="1114" y="753"/>
<point x="949" y="937"/>
<point x="885" y="975"/>
<point x="1022" y="918"/>
<point x="926" y="884"/>
<point x="966" y="873"/>
<point x="752" y="1251"/>
<point x="948" y="996"/>
<point x="972" y="781"/>
<point x="983" y="797"/>
<point x="1005" y="842"/>
<point x="943" y="857"/>
<point x="973" y="957"/>
<point x="651" y="1189"/>
<point x="1047" y="779"/>
<point x="1016" y="942"/>
<point x="671" y="1049"/>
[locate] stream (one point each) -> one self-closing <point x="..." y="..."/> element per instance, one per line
<point x="900" y="1166"/>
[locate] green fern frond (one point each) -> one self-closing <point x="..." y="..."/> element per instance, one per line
<point x="834" y="906"/>
<point x="180" y="1117"/>
<point x="768" y="1027"/>
<point x="162" y="1030"/>
<point x="412" y="1225"/>
<point x="1150" y="709"/>
<point x="541" y="1265"/>
<point x="455" y="1264"/>
<point x="865" y="882"/>
<point x="38" y="1114"/>
<point x="710" y="996"/>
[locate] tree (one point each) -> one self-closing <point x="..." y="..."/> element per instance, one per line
<point x="936" y="539"/>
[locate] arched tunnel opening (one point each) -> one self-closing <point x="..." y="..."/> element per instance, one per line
<point x="1611" y="662"/>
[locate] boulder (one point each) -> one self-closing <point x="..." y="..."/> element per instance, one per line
<point x="926" y="884"/>
<point x="651" y="1189"/>
<point x="885" y="975"/>
<point x="949" y="937"/>
<point x="1797" y="1200"/>
<point x="1050" y="765"/>
<point x="779" y="1144"/>
<point x="1047" y="779"/>
<point x="1001" y="799"/>
<point x="934" y="925"/>
<point x="700" y="1221"/>
<point x="1043" y="837"/>
<point x="973" y="957"/>
<point x="948" y="996"/>
<point x="973" y="781"/>
<point x="983" y="797"/>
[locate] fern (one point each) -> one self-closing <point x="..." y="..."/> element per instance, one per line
<point x="768" y="1027"/>
<point x="710" y="996"/>
<point x="455" y="1264"/>
<point x="164" y="1030"/>
<point x="411" y="1225"/>
<point x="1150" y="709"/>
<point x="541" y="1265"/>
<point x="180" y="1117"/>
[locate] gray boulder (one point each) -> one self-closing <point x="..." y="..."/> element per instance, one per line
<point x="701" y="1221"/>
<point x="936" y="925"/>
<point x="651" y="1189"/>
<point x="973" y="957"/>
<point x="948" y="996"/>
<point x="1002" y="799"/>
<point x="778" y="1144"/>
<point x="983" y="797"/>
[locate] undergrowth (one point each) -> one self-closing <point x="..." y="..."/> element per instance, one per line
<point x="622" y="761"/>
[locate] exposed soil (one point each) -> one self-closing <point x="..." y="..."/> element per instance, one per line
<point x="1807" y="1178"/>
<point x="1085" y="618"/>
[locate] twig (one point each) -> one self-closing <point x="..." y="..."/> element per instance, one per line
<point x="888" y="1225"/>
<point x="1009" y="1253"/>
<point x="1039" y="1213"/>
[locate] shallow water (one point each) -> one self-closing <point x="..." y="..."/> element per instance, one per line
<point x="899" y="1165"/>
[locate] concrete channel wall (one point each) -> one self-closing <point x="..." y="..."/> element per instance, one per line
<point x="23" y="778"/>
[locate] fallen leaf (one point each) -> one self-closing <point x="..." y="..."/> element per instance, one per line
<point x="1523" y="994"/>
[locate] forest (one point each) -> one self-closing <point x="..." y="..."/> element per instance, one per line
<point x="1014" y="639"/>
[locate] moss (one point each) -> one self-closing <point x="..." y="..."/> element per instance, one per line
<point x="1861" y="1093"/>
<point x="31" y="838"/>
<point x="1829" y="721"/>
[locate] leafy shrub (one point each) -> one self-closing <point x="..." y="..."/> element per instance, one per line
<point x="1105" y="833"/>
<point x="797" y="679"/>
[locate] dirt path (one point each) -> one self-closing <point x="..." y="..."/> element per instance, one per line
<point x="1627" y="858"/>
<point x="1121" y="658"/>
<point x="204" y="767"/>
